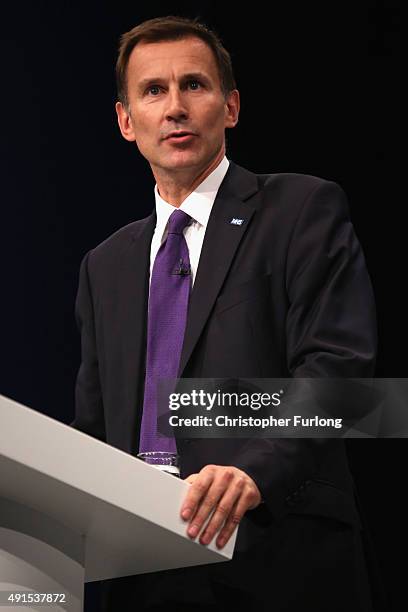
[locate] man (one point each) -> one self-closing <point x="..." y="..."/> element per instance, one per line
<point x="277" y="287"/>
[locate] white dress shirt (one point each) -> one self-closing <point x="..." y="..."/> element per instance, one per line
<point x="198" y="205"/>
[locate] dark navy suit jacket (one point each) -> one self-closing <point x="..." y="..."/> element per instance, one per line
<point x="284" y="294"/>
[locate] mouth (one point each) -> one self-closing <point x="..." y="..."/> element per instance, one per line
<point x="180" y="137"/>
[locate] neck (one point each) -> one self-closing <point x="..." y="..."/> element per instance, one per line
<point x="174" y="188"/>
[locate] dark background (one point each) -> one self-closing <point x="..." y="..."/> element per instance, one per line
<point x="320" y="92"/>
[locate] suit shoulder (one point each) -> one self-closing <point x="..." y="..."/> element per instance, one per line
<point x="296" y="191"/>
<point x="288" y="188"/>
<point x="294" y="181"/>
<point x="113" y="245"/>
<point x="120" y="235"/>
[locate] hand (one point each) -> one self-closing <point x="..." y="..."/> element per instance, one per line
<point x="227" y="490"/>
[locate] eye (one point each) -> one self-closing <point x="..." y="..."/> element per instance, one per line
<point x="195" y="83"/>
<point x="153" y="88"/>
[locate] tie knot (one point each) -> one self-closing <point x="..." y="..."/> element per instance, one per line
<point x="178" y="221"/>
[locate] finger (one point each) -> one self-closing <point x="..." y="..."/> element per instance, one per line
<point x="223" y="510"/>
<point x="220" y="484"/>
<point x="196" y="492"/>
<point x="235" y="517"/>
<point x="191" y="478"/>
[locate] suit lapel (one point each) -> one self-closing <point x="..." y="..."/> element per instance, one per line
<point x="228" y="222"/>
<point x="134" y="271"/>
<point x="139" y="269"/>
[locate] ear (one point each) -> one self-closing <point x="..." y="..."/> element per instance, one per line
<point x="232" y="106"/>
<point x="125" y="122"/>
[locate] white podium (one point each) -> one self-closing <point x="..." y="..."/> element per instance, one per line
<point x="74" y="509"/>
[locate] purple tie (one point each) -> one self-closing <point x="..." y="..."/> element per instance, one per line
<point x="168" y="303"/>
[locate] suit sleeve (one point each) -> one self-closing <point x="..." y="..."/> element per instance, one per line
<point x="89" y="414"/>
<point x="331" y="331"/>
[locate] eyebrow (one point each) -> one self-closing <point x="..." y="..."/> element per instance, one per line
<point x="200" y="76"/>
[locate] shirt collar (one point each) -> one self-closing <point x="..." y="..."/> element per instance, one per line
<point x="199" y="203"/>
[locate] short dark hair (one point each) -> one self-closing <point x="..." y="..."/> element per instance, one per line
<point x="171" y="28"/>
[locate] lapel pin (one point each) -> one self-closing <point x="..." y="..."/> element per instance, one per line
<point x="236" y="221"/>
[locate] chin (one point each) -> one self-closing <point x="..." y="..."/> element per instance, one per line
<point x="181" y="161"/>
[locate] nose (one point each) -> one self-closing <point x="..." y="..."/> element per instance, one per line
<point x="176" y="105"/>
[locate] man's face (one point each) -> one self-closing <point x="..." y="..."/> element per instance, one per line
<point x="175" y="86"/>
